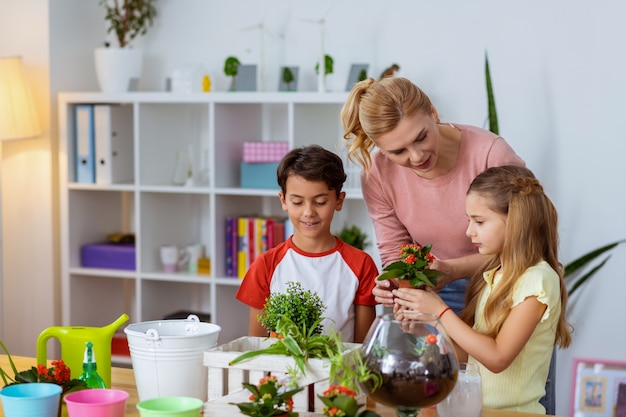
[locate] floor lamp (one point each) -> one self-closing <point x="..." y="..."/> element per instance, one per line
<point x="18" y="120"/>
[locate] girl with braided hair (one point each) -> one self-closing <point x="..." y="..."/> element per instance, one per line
<point x="515" y="310"/>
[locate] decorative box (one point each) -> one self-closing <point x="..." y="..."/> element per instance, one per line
<point x="264" y="151"/>
<point x="259" y="175"/>
<point x="108" y="255"/>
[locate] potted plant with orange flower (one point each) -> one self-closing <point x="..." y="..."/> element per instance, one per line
<point x="270" y="397"/>
<point x="58" y="373"/>
<point x="413" y="266"/>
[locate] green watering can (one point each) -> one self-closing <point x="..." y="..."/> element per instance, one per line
<point x="73" y="340"/>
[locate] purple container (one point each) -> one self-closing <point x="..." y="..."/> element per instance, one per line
<point x="108" y="255"/>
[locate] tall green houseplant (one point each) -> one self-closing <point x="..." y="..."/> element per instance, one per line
<point x="491" y="101"/>
<point x="575" y="274"/>
<point x="129" y="18"/>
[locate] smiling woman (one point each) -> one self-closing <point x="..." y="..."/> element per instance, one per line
<point x="414" y="188"/>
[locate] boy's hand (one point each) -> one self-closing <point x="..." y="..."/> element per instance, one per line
<point x="382" y="291"/>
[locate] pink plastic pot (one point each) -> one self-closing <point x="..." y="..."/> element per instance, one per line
<point x="99" y="402"/>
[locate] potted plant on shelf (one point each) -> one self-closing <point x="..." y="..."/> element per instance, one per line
<point x="231" y="69"/>
<point x="118" y="67"/>
<point x="354" y="236"/>
<point x="328" y="69"/>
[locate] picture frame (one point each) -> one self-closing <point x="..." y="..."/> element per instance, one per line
<point x="245" y="80"/>
<point x="293" y="85"/>
<point x="598" y="388"/>
<point x="355" y="72"/>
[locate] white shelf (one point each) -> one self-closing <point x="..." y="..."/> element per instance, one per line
<point x="159" y="213"/>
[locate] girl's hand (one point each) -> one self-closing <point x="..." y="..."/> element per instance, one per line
<point x="413" y="300"/>
<point x="382" y="291"/>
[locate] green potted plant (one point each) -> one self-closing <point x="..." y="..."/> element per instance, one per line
<point x="348" y="370"/>
<point x="295" y="317"/>
<point x="129" y="19"/>
<point x="270" y="397"/>
<point x="328" y="69"/>
<point x="353" y="235"/>
<point x="303" y="307"/>
<point x="118" y="68"/>
<point x="231" y="69"/>
<point x="288" y="77"/>
<point x="574" y="273"/>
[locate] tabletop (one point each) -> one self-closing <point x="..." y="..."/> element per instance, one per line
<point x="124" y="379"/>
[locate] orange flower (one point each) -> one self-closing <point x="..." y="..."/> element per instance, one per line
<point x="413" y="266"/>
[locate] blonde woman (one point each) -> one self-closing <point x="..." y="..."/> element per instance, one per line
<point x="414" y="186"/>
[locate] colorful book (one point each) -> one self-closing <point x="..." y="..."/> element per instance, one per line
<point x="242" y="246"/>
<point x="279" y="231"/>
<point x="231" y="249"/>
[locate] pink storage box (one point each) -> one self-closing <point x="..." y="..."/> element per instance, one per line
<point x="264" y="151"/>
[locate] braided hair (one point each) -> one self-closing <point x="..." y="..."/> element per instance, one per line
<point x="531" y="236"/>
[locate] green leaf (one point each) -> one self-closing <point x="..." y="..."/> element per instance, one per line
<point x="578" y="263"/>
<point x="491" y="101"/>
<point x="571" y="269"/>
<point x="275" y="349"/>
<point x="390" y="274"/>
<point x="432" y="273"/>
<point x="585" y="277"/>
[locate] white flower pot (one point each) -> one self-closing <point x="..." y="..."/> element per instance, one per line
<point x="116" y="67"/>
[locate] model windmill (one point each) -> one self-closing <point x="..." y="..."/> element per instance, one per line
<point x="262" y="32"/>
<point x="321" y="61"/>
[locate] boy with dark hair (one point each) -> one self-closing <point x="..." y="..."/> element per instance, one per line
<point x="310" y="180"/>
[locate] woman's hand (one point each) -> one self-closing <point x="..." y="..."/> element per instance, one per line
<point x="382" y="291"/>
<point x="412" y="300"/>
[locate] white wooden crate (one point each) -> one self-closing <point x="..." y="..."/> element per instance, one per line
<point x="224" y="384"/>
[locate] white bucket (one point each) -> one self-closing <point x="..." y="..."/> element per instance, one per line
<point x="167" y="357"/>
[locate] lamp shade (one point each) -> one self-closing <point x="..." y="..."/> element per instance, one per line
<point x="18" y="115"/>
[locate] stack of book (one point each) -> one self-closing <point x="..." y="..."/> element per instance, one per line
<point x="249" y="236"/>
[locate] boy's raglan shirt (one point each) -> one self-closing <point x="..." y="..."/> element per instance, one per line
<point x="342" y="277"/>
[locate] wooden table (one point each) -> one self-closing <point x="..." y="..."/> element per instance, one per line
<point x="124" y="379"/>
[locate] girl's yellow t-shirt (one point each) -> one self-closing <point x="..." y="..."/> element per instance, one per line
<point x="522" y="384"/>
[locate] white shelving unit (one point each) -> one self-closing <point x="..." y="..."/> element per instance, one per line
<point x="159" y="213"/>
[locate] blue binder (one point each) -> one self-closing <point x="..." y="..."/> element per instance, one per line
<point x="85" y="144"/>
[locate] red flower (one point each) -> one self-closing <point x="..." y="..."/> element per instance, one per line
<point x="42" y="371"/>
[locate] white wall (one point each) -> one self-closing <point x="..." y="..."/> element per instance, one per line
<point x="29" y="274"/>
<point x="558" y="70"/>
